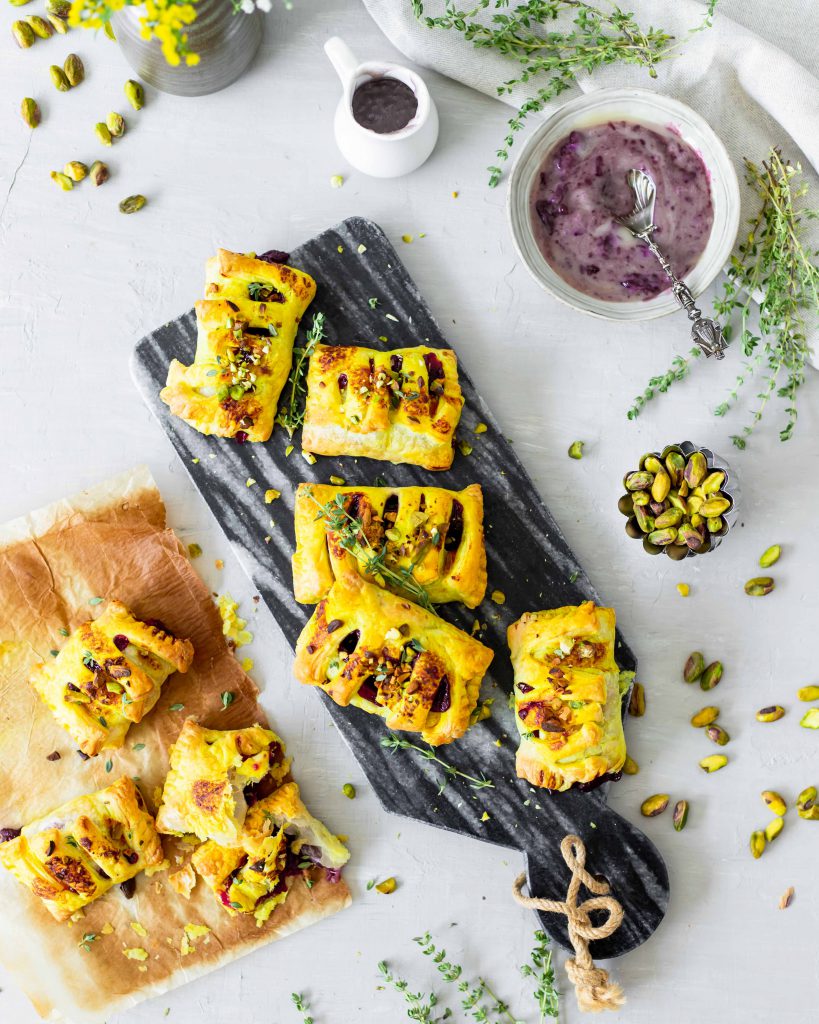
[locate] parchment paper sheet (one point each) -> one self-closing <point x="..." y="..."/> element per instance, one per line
<point x="112" y="541"/>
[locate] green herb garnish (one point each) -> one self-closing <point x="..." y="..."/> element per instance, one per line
<point x="302" y="1007"/>
<point x="291" y="414"/>
<point x="542" y="970"/>
<point x="421" y="1007"/>
<point x="393" y="742"/>
<point x="227" y="699"/>
<point x="87" y="939"/>
<point x="176" y="707"/>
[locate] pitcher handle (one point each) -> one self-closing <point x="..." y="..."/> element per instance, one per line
<point x="342" y="58"/>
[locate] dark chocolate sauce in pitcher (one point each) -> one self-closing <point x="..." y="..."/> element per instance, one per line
<point x="384" y="105"/>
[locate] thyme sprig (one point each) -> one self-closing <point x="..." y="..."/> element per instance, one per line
<point x="542" y="970"/>
<point x="302" y="1007"/>
<point x="291" y="413"/>
<point x="473" y="994"/>
<point x="393" y="742"/>
<point x="421" y="1007"/>
<point x="775" y="266"/>
<point x="595" y="38"/>
<point x="350" y="534"/>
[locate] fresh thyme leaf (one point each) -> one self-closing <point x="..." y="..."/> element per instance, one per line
<point x="420" y="1007"/>
<point x="291" y="413"/>
<point x="87" y="939"/>
<point x="776" y="265"/>
<point x="541" y="969"/>
<point x="594" y="38"/>
<point x="393" y="742"/>
<point x="227" y="699"/>
<point x="302" y="1007"/>
<point x="477" y="998"/>
<point x="176" y="707"/>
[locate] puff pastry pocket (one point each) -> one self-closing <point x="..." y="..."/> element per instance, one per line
<point x="280" y="843"/>
<point x="431" y="533"/>
<point x="215" y="775"/>
<point x="567" y="696"/>
<point x="77" y="853"/>
<point x="246" y="327"/>
<point x="370" y="648"/>
<point x="399" y="406"/>
<point x="109" y="674"/>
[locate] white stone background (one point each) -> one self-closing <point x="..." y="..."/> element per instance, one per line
<point x="251" y="168"/>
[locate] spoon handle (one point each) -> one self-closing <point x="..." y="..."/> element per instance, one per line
<point x="704" y="332"/>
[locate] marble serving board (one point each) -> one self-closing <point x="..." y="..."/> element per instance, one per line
<point x="528" y="560"/>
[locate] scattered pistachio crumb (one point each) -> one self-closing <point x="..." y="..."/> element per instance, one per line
<point x="464" y="448"/>
<point x="455" y="195"/>
<point x="382" y="337"/>
<point x="341" y="248"/>
<point x="336" y="181"/>
<point x="683" y="589"/>
<point x="271" y="494"/>
<point x="247" y="664"/>
<point x="267" y="539"/>
<point x="498" y="597"/>
<point x="135" y="953"/>
<point x="406" y="238"/>
<point x="139" y="929"/>
<point x="194" y="550"/>
<point x="250" y="482"/>
<point x="309" y="458"/>
<point x="484" y="816"/>
<point x="339" y="481"/>
<point x="481" y="428"/>
<point x="361" y="249"/>
<point x="372" y="303"/>
<point x="387" y="886"/>
<point x="288" y="451"/>
<point x="219" y="563"/>
<point x="107" y="929"/>
<point x="787" y="898"/>
<point x="195" y="462"/>
<point x="389" y="316"/>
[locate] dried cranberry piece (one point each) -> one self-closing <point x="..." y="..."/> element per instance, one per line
<point x="257" y="791"/>
<point x="442" y="701"/>
<point x="7" y="834"/>
<point x="332" y="875"/>
<point x="82" y="755"/>
<point x="455" y="530"/>
<point x="128" y="888"/>
<point x="525" y="687"/>
<point x="158" y="624"/>
<point x="131" y="857"/>
<point x="274" y="256"/>
<point x="367" y="690"/>
<point x="349" y="643"/>
<point x="103" y="874"/>
<point x="121" y="641"/>
<point x="342" y="381"/>
<point x="396" y="362"/>
<point x="435" y="368"/>
<point x="54" y="756"/>
<point x="333" y="625"/>
<point x="584" y="787"/>
<point x="241" y="436"/>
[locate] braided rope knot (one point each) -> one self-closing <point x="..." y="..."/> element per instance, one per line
<point x="594" y="989"/>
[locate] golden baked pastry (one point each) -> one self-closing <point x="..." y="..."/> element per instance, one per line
<point x="279" y="841"/>
<point x="79" y="851"/>
<point x="215" y="775"/>
<point x="109" y="674"/>
<point x="435" y="534"/>
<point x="567" y="696"/>
<point x="399" y="406"/>
<point x="246" y="327"/>
<point x="370" y="648"/>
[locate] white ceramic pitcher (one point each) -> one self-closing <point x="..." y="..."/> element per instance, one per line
<point x="387" y="155"/>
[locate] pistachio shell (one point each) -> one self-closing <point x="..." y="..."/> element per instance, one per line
<point x="774" y="802"/>
<point x="713" y="763"/>
<point x="654" y="805"/>
<point x="705" y="716"/>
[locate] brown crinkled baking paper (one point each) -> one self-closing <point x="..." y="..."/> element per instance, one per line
<point x="112" y="541"/>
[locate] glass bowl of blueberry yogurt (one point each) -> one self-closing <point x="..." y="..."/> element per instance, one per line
<point x="568" y="190"/>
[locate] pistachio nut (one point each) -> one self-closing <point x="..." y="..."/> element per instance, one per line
<point x="60" y="25"/>
<point x="810" y="815"/>
<point x="810" y="719"/>
<point x="689" y="536"/>
<point x="18" y="3"/>
<point x="662" y="537"/>
<point x="30" y="112"/>
<point x="759" y="586"/>
<point x="774" y="802"/>
<point x="76" y="170"/>
<point x="713" y="763"/>
<point x="675" y="464"/>
<point x="657" y="507"/>
<point x="772" y="713"/>
<point x="108" y="29"/>
<point x="698" y="521"/>
<point x="348" y="789"/>
<point x="637" y="701"/>
<point x="713" y="482"/>
<point x="671" y="517"/>
<point x="23" y="34"/>
<point x="641" y="498"/>
<point x="715" y="524"/>
<point x="675" y="501"/>
<point x="59" y="8"/>
<point x="769" y="556"/>
<point x="132" y="204"/>
<point x="693" y="503"/>
<point x="135" y="94"/>
<point x="39" y="26"/>
<point x="638" y="481"/>
<point x="630" y="766"/>
<point x="116" y="124"/>
<point x="773" y="828"/>
<point x="806" y="801"/>
<point x="808" y="693"/>
<point x="99" y="172"/>
<point x="74" y="69"/>
<point x="65" y="183"/>
<point x="114" y="687"/>
<point x="714" y="506"/>
<point x="661" y="485"/>
<point x="576" y="449"/>
<point x="387" y="886"/>
<point x="758" y="843"/>
<point x="695" y="469"/>
<point x="683" y="490"/>
<point x="705" y="716"/>
<point x="680" y="815"/>
<point x="102" y="133"/>
<point x="644" y="520"/>
<point x="683" y="589"/>
<point x="717" y="735"/>
<point x="651" y="463"/>
<point x="654" y="805"/>
<point x="693" y="668"/>
<point x="59" y="79"/>
<point x="711" y="676"/>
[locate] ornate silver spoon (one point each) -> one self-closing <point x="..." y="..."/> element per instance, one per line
<point x="704" y="332"/>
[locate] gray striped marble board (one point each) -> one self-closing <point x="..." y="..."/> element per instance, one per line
<point x="534" y="570"/>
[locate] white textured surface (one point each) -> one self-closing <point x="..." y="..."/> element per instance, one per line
<point x="251" y="168"/>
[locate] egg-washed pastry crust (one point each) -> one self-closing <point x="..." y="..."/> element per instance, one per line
<point x="435" y="533"/>
<point x="280" y="842"/>
<point x="368" y="647"/>
<point x="567" y="696"/>
<point x="215" y="775"/>
<point x="246" y="327"/>
<point x="108" y="675"/>
<point x="75" y="854"/>
<point x="400" y="406"/>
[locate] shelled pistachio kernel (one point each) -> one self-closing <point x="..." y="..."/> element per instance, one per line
<point x="348" y="789"/>
<point x="116" y="124"/>
<point x="713" y="763"/>
<point x="683" y="589"/>
<point x="654" y="805"/>
<point x="99" y="172"/>
<point x="576" y="449"/>
<point x="680" y="815"/>
<point x="74" y="69"/>
<point x="135" y="94"/>
<point x="759" y="586"/>
<point x="773" y="828"/>
<point x="694" y="666"/>
<point x="630" y="766"/>
<point x="65" y="183"/>
<point x="808" y="693"/>
<point x="387" y="886"/>
<point x="132" y="203"/>
<point x="717" y="735"/>
<point x="758" y="843"/>
<point x="711" y="676"/>
<point x="58" y="78"/>
<point x="810" y="719"/>
<point x="23" y="34"/>
<point x="637" y="701"/>
<point x="59" y="8"/>
<point x="806" y="801"/>
<point x="769" y="556"/>
<point x="30" y="112"/>
<point x="39" y="26"/>
<point x="705" y="716"/>
<point x="772" y="713"/>
<point x="76" y="170"/>
<point x="102" y="133"/>
<point x="774" y="802"/>
<point x="60" y="25"/>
